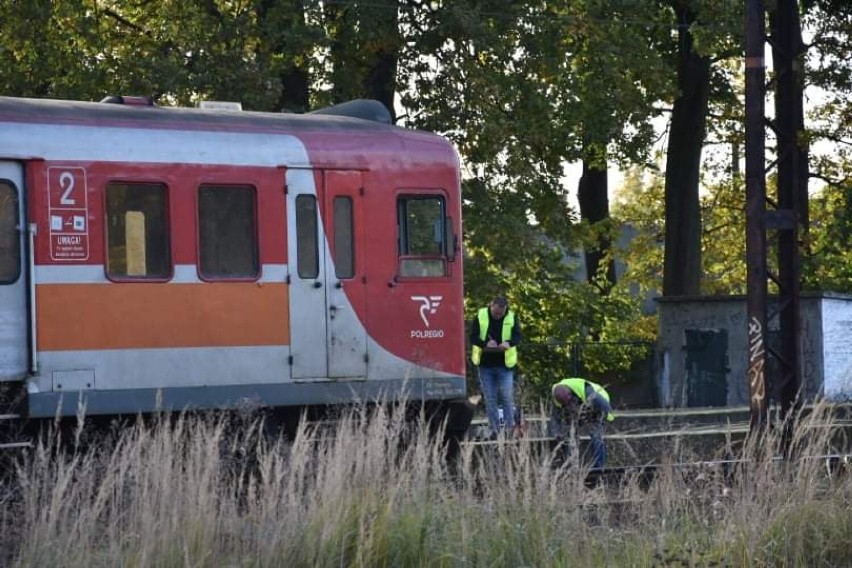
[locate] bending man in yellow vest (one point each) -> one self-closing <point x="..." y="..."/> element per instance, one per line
<point x="494" y="337"/>
<point x="581" y="403"/>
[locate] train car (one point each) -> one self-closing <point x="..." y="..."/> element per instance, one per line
<point x="157" y="258"/>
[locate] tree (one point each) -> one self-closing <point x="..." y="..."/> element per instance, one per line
<point x="620" y="76"/>
<point x="50" y="49"/>
<point x="682" y="271"/>
<point x="829" y="266"/>
<point x="285" y="47"/>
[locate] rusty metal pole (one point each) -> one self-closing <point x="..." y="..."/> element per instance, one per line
<point x="755" y="91"/>
<point x="787" y="50"/>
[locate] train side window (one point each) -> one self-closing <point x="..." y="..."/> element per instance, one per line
<point x="307" y="245"/>
<point x="422" y="236"/>
<point x="344" y="238"/>
<point x="137" y="228"/>
<point x="10" y="245"/>
<point x="227" y="232"/>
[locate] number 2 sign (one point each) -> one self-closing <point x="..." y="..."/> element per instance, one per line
<point x="68" y="213"/>
<point x="67" y="188"/>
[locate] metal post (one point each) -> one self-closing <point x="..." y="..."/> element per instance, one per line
<point x="755" y="75"/>
<point x="786" y="51"/>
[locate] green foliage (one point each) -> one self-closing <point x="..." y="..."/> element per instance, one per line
<point x="523" y="87"/>
<point x="506" y="254"/>
<point x="50" y="49"/>
<point x="640" y="203"/>
<point x="802" y="536"/>
<point x="828" y="264"/>
<point x="178" y="52"/>
<point x="826" y="260"/>
<point x="723" y="235"/>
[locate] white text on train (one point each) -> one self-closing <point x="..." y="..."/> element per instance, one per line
<point x="427" y="333"/>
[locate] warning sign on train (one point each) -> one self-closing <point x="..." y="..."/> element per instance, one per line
<point x="68" y="213"/>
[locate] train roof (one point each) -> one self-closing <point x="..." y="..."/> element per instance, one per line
<point x="14" y="109"/>
<point x="332" y="136"/>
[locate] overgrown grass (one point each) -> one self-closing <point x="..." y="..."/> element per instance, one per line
<point x="200" y="492"/>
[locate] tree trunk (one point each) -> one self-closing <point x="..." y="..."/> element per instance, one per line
<point x="594" y="207"/>
<point x="682" y="265"/>
<point x="295" y="91"/>
<point x="365" y="50"/>
<point x="381" y="59"/>
<point x="345" y="71"/>
<point x="295" y="80"/>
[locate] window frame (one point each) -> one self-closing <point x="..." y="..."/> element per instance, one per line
<point x="316" y="236"/>
<point x="406" y="196"/>
<point x="16" y="204"/>
<point x="256" y="234"/>
<point x="351" y="241"/>
<point x="167" y="223"/>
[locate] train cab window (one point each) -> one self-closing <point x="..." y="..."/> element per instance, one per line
<point x="137" y="231"/>
<point x="227" y="232"/>
<point x="344" y="238"/>
<point x="422" y="236"/>
<point x="307" y="245"/>
<point x="10" y="246"/>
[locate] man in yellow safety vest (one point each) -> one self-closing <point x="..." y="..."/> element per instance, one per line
<point x="494" y="336"/>
<point x="581" y="403"/>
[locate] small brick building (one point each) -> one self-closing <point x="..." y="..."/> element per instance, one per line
<point x="703" y="349"/>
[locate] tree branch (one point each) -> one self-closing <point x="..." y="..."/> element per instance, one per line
<point x="127" y="23"/>
<point x="829" y="181"/>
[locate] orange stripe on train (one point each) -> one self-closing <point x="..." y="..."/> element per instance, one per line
<point x="121" y="316"/>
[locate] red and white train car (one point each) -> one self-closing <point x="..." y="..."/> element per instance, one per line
<point x="167" y="258"/>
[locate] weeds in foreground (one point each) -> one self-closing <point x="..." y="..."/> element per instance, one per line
<point x="199" y="492"/>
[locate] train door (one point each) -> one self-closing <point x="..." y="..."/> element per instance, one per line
<point x="13" y="274"/>
<point x="344" y="275"/>
<point x="326" y="275"/>
<point x="308" y="353"/>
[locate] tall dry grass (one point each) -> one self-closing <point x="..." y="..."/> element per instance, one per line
<point x="214" y="492"/>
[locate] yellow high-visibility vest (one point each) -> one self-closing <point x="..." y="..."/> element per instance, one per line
<point x="511" y="354"/>
<point x="578" y="387"/>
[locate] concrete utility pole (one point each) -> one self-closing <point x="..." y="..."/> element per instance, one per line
<point x="789" y="212"/>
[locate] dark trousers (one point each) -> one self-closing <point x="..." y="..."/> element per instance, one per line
<point x="566" y="426"/>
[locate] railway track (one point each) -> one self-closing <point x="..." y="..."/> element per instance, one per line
<point x="688" y="442"/>
<point x="12" y="436"/>
<point x="832" y="465"/>
<point x="636" y="450"/>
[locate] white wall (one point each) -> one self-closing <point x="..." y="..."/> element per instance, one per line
<point x="837" y="348"/>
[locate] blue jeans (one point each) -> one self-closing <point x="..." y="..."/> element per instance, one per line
<point x="597" y="443"/>
<point x="499" y="391"/>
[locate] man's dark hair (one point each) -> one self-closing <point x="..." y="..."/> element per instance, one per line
<point x="500" y="301"/>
